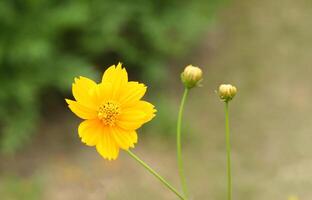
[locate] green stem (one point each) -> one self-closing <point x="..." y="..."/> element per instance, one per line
<point x="179" y="151"/>
<point x="168" y="185"/>
<point x="228" y="151"/>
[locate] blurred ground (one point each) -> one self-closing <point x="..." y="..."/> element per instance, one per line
<point x="260" y="46"/>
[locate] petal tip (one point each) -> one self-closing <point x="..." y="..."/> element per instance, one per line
<point x="68" y="101"/>
<point x="119" y="65"/>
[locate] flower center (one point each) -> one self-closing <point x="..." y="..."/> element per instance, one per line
<point x="108" y="113"/>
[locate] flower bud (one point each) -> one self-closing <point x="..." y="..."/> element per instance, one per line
<point x="227" y="92"/>
<point x="191" y="76"/>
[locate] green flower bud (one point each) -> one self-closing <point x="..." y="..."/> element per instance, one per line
<point x="227" y="92"/>
<point x="191" y="76"/>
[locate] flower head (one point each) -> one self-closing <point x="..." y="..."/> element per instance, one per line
<point x="112" y="111"/>
<point x="191" y="76"/>
<point x="227" y="92"/>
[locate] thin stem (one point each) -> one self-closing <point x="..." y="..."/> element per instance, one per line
<point x="228" y="152"/>
<point x="179" y="151"/>
<point x="168" y="185"/>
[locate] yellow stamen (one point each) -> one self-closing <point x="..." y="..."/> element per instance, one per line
<point x="108" y="113"/>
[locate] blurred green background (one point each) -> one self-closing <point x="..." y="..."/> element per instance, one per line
<point x="262" y="47"/>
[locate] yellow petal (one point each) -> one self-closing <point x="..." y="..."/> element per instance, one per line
<point x="84" y="92"/>
<point x="123" y="138"/>
<point x="106" y="146"/>
<point x="90" y="131"/>
<point x="104" y="92"/>
<point x="147" y="108"/>
<point x="131" y="123"/>
<point x="132" y="92"/>
<point x="117" y="76"/>
<point x="134" y="117"/>
<point x="81" y="110"/>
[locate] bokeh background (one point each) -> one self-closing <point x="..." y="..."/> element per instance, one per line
<point x="262" y="47"/>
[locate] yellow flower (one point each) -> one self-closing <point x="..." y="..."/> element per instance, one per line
<point x="112" y="111"/>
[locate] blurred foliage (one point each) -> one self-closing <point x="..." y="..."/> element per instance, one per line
<point x="164" y="124"/>
<point x="16" y="188"/>
<point x="45" y="43"/>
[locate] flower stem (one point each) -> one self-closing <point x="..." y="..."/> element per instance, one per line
<point x="168" y="185"/>
<point x="179" y="151"/>
<point x="228" y="152"/>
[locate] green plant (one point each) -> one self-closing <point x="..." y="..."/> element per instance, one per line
<point x="16" y="188"/>
<point x="44" y="44"/>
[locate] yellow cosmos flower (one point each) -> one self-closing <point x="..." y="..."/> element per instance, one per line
<point x="112" y="110"/>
